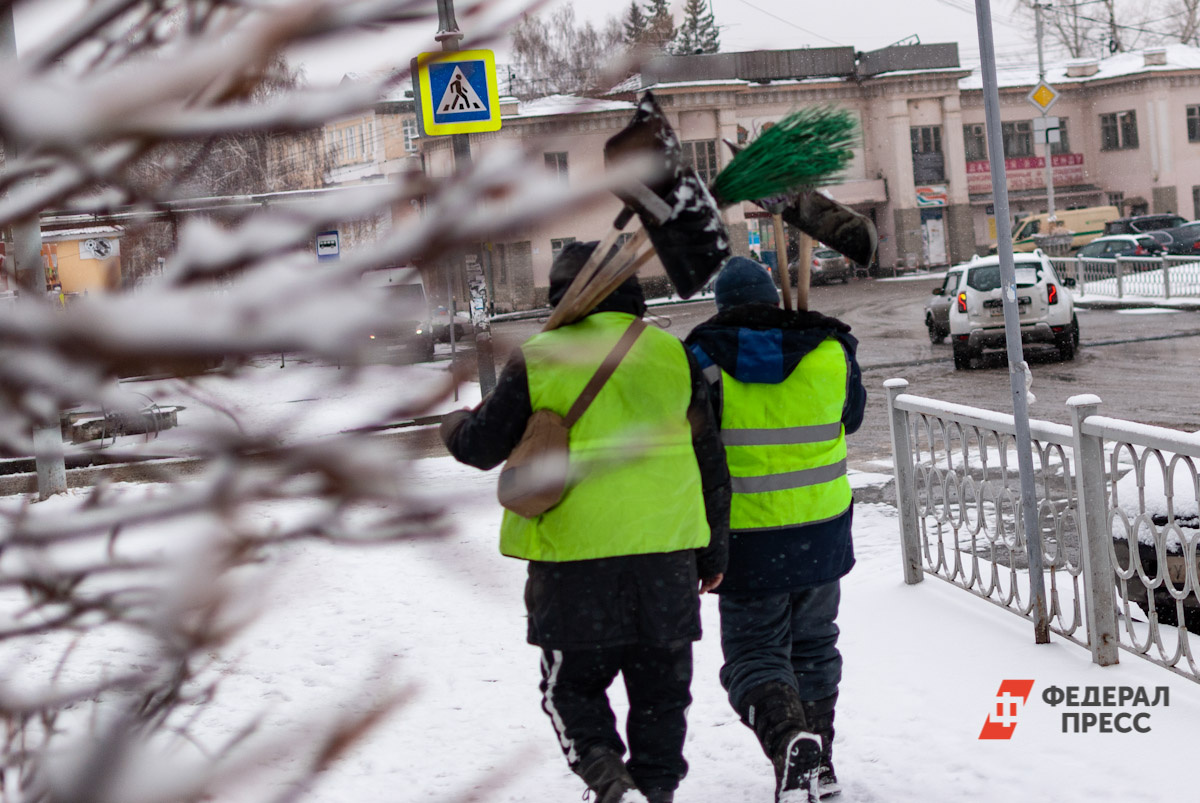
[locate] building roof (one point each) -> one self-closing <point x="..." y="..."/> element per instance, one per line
<point x="1178" y="57"/>
<point x="567" y="104"/>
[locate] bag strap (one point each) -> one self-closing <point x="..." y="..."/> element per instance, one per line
<point x="592" y="389"/>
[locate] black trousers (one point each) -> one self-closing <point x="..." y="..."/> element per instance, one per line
<point x="657" y="681"/>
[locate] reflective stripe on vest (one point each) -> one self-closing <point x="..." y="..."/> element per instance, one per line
<point x="635" y="484"/>
<point x="785" y="444"/>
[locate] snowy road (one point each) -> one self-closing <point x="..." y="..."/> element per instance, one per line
<point x="1123" y="355"/>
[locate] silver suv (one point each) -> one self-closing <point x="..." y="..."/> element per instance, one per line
<point x="1046" y="307"/>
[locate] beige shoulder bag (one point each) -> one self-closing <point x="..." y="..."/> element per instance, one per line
<point x="535" y="477"/>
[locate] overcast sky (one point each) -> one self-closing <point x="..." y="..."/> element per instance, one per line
<point x="745" y="25"/>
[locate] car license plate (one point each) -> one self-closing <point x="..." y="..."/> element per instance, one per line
<point x="996" y="306"/>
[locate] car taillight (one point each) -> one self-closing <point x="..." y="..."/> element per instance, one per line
<point x="962" y="302"/>
<point x="1196" y="245"/>
<point x="1052" y="293"/>
<point x="1139" y="251"/>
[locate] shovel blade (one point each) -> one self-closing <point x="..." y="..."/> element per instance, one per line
<point x="692" y="244"/>
<point x="834" y="224"/>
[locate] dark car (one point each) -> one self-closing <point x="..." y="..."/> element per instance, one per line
<point x="1185" y="239"/>
<point x="1139" y="224"/>
<point x="1121" y="245"/>
<point x="937" y="308"/>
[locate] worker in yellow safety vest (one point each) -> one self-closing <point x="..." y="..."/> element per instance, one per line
<point x="616" y="567"/>
<point x="786" y="389"/>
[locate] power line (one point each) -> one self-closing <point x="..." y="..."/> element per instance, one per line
<point x="789" y="22"/>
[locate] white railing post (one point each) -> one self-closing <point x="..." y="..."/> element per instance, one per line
<point x="1095" y="537"/>
<point x="1120" y="278"/>
<point x="906" y="495"/>
<point x="1166" y="274"/>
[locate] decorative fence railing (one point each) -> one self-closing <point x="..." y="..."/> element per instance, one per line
<point x="1118" y="521"/>
<point x="1124" y="277"/>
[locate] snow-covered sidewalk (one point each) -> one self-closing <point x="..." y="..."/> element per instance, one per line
<point x="922" y="668"/>
<point x="923" y="664"/>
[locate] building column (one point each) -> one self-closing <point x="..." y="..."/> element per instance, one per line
<point x="960" y="220"/>
<point x="735" y="220"/>
<point x="906" y="216"/>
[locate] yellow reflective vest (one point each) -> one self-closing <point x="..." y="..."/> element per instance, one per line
<point x="634" y="482"/>
<point x="785" y="444"/>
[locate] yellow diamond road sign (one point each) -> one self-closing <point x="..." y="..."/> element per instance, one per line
<point x="1043" y="96"/>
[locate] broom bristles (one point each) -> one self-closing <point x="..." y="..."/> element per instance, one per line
<point x="808" y="148"/>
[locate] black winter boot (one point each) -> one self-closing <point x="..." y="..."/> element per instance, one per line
<point x="776" y="714"/>
<point x="819" y="715"/>
<point x="605" y="774"/>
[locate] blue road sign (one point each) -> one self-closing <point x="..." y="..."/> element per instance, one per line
<point x="458" y="92"/>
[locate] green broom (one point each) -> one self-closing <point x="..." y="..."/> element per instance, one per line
<point x="804" y="150"/>
<point x="808" y="148"/>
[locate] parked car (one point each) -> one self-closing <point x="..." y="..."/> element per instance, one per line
<point x="1047" y="309"/>
<point x="1140" y="224"/>
<point x="1122" y="245"/>
<point x="1185" y="239"/>
<point x="827" y="266"/>
<point x="937" y="308"/>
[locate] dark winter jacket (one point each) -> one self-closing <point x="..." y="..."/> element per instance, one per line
<point x="648" y="599"/>
<point x="807" y="555"/>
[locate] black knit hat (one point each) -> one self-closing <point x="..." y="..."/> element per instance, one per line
<point x="744" y="281"/>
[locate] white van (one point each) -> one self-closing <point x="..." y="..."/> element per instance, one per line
<point x="1084" y="224"/>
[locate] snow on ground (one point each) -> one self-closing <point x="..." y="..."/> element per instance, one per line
<point x="914" y="277"/>
<point x="923" y="665"/>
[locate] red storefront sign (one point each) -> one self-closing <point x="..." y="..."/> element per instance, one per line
<point x="1027" y="173"/>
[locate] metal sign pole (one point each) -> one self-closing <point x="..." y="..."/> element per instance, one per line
<point x="1012" y="321"/>
<point x="1050" y="216"/>
<point x="30" y="275"/>
<point x="485" y="360"/>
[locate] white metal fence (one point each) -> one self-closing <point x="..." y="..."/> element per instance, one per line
<point x="1118" y="521"/>
<point x="1155" y="277"/>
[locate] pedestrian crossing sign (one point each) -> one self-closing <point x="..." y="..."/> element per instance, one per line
<point x="458" y="92"/>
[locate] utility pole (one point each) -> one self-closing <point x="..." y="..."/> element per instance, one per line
<point x="30" y="275"/>
<point x="485" y="360"/>
<point x="1050" y="216"/>
<point x="1012" y="326"/>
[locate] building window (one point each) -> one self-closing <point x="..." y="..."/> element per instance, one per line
<point x="928" y="163"/>
<point x="926" y="139"/>
<point x="1063" y="145"/>
<point x="1193" y="123"/>
<point x="1195" y="203"/>
<point x="1018" y="138"/>
<point x="409" y="128"/>
<point x="1116" y="198"/>
<point x="702" y="154"/>
<point x="1118" y="131"/>
<point x="556" y="246"/>
<point x="557" y="163"/>
<point x="975" y="140"/>
<point x="349" y="144"/>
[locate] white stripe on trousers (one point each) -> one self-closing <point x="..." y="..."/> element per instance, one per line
<point x="551" y="672"/>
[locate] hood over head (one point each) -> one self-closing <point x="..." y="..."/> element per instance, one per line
<point x="763" y="344"/>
